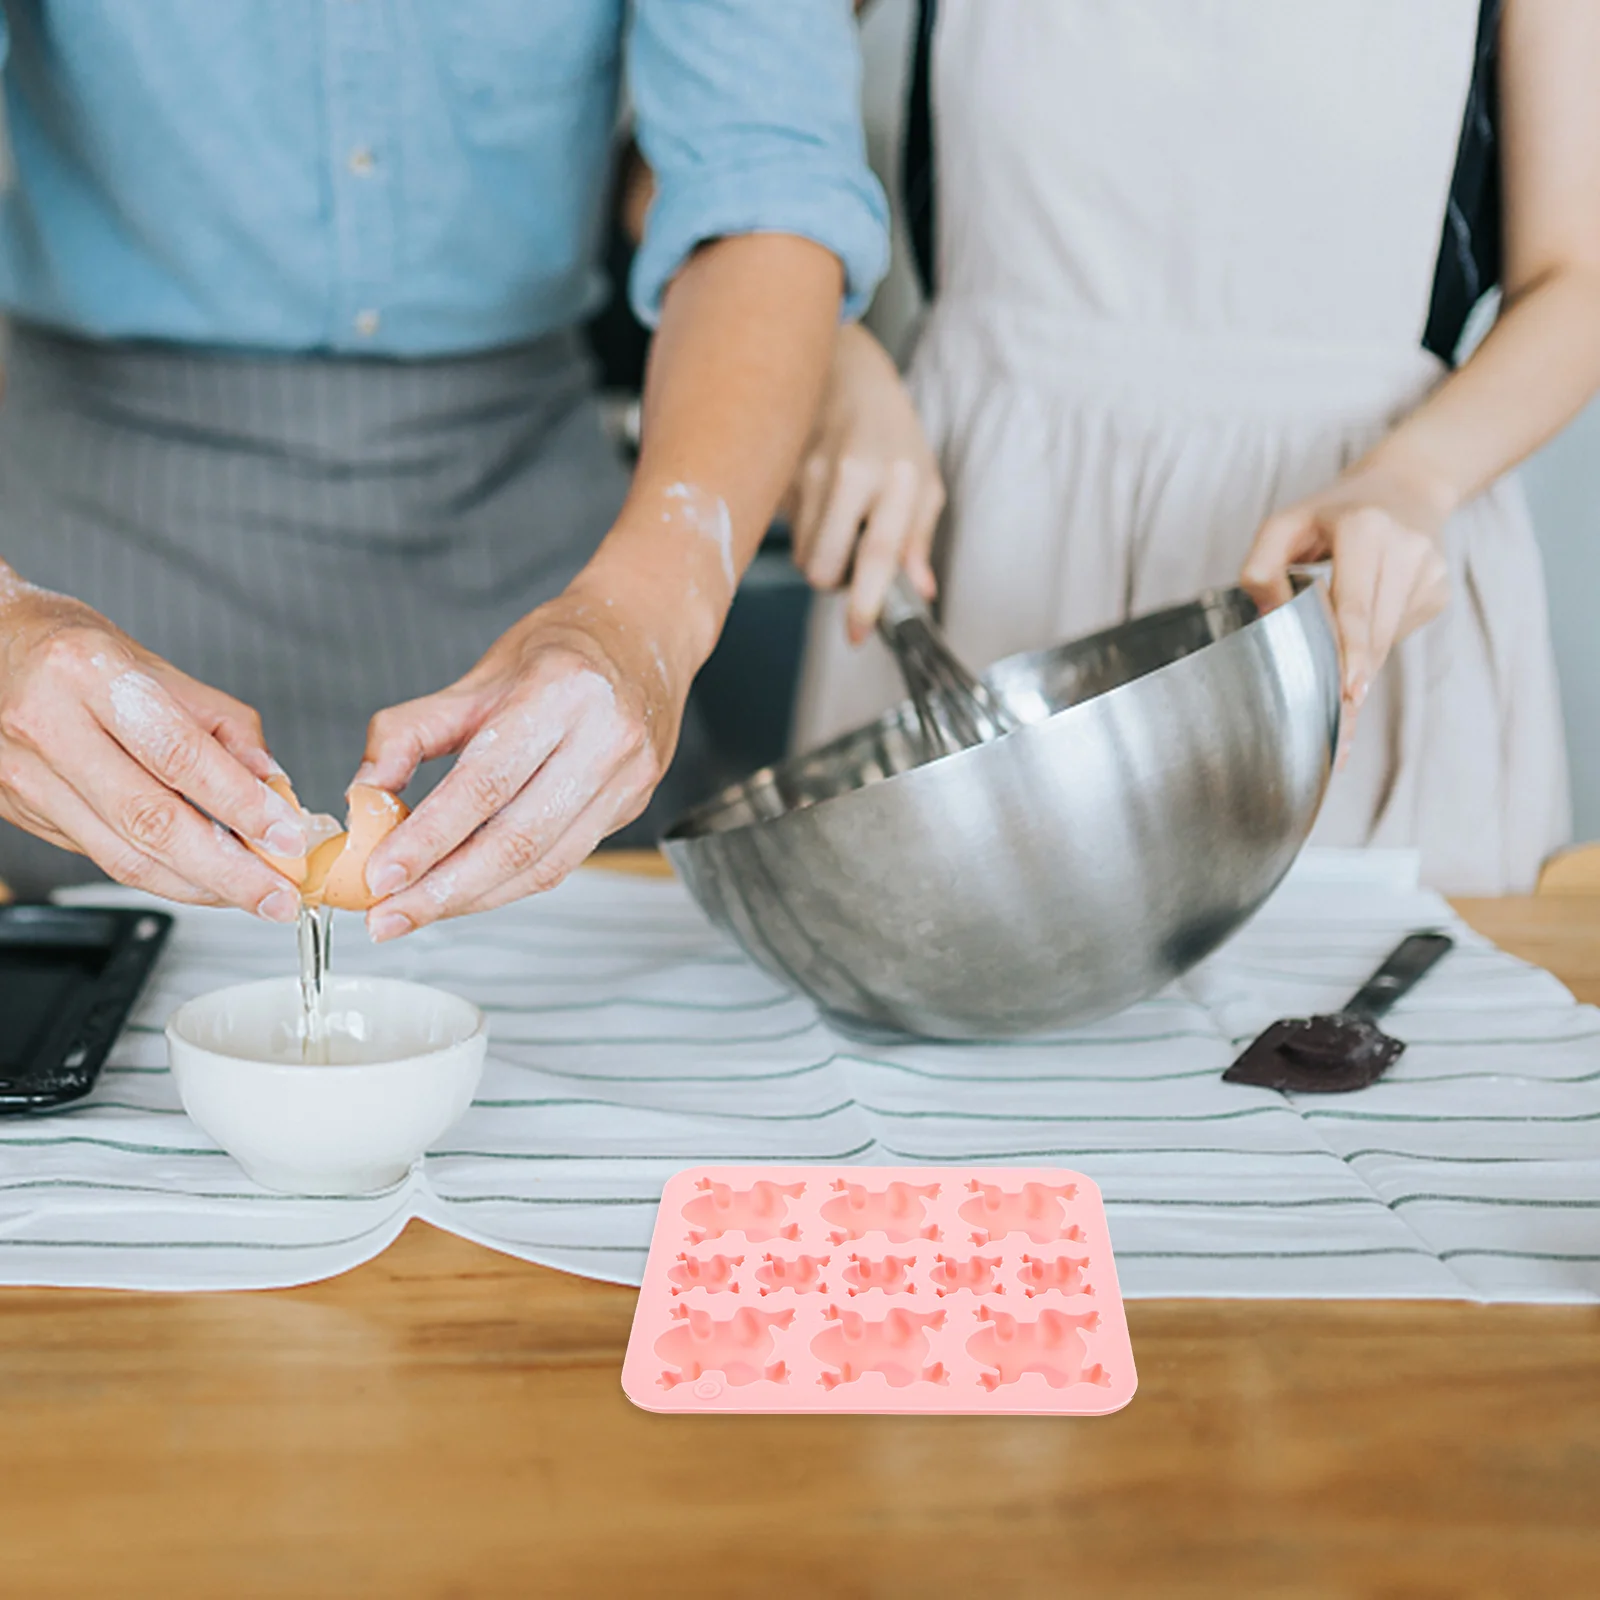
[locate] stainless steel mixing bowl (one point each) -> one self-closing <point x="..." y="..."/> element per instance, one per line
<point x="1169" y="772"/>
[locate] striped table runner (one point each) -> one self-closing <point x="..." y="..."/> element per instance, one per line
<point x="630" y="1040"/>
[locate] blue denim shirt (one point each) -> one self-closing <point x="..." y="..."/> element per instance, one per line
<point x="407" y="177"/>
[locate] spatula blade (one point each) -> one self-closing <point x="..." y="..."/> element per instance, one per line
<point x="1317" y="1055"/>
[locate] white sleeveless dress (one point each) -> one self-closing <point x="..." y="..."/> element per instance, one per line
<point x="1185" y="258"/>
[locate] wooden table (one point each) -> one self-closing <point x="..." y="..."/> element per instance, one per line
<point x="447" y="1422"/>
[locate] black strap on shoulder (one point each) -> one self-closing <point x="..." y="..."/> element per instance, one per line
<point x="916" y="167"/>
<point x="1469" y="253"/>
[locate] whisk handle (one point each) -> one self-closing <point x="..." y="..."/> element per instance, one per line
<point x="901" y="604"/>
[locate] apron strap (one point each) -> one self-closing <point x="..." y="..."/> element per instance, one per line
<point x="1469" y="253"/>
<point x="916" y="167"/>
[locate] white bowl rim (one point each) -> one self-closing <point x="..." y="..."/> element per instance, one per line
<point x="174" y="1033"/>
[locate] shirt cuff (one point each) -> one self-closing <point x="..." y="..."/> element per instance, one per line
<point x="842" y="212"/>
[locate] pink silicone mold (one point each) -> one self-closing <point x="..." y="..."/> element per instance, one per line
<point x="911" y="1289"/>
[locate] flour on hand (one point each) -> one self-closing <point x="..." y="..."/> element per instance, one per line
<point x="142" y="713"/>
<point x="13" y="587"/>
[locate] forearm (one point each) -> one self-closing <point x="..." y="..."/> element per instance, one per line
<point x="736" y="372"/>
<point x="1536" y="369"/>
<point x="567" y="723"/>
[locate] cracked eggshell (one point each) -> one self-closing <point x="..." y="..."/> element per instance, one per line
<point x="318" y="828"/>
<point x="336" y="870"/>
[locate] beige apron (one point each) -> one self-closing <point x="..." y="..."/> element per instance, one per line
<point x="1185" y="258"/>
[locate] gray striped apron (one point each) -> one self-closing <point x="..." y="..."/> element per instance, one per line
<point x="319" y="537"/>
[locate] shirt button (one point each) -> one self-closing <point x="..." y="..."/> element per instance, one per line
<point x="367" y="323"/>
<point x="362" y="161"/>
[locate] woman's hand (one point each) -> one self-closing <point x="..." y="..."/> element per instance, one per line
<point x="1384" y="534"/>
<point x="564" y="728"/>
<point x="867" y="467"/>
<point x="107" y="750"/>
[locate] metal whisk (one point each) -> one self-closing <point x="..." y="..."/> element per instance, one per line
<point x="955" y="708"/>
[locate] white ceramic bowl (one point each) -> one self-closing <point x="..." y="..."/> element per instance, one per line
<point x="403" y="1062"/>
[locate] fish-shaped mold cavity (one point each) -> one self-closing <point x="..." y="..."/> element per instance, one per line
<point x="892" y="1274"/>
<point x="1053" y="1345"/>
<point x="737" y="1347"/>
<point x="715" y="1274"/>
<point x="898" y="1211"/>
<point x="758" y="1212"/>
<point x="1037" y="1209"/>
<point x="803" y="1274"/>
<point x="977" y="1273"/>
<point x="895" y="1345"/>
<point x="1066" y="1273"/>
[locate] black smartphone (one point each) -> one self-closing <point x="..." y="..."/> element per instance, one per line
<point x="69" y="975"/>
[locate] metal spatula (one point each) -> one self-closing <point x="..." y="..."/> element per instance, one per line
<point x="1332" y="1054"/>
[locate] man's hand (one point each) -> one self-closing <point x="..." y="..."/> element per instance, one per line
<point x="1385" y="537"/>
<point x="564" y="728"/>
<point x="107" y="750"/>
